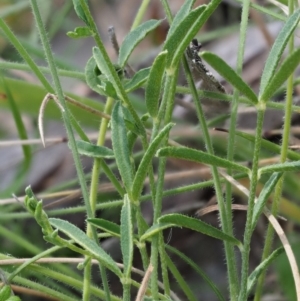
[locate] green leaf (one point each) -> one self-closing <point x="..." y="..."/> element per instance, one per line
<point x="85" y="242"/>
<point x="154" y="83"/>
<point x="130" y="122"/>
<point x="120" y="145"/>
<point x="137" y="80"/>
<point x="133" y="38"/>
<point x="277" y="50"/>
<point x="79" y="32"/>
<point x="142" y="171"/>
<point x="5" y="293"/>
<point x="126" y="236"/>
<point x="285" y="70"/>
<point x="190" y="154"/>
<point x="180" y="280"/>
<point x="269" y="145"/>
<point x="280" y="167"/>
<point x="155" y="229"/>
<point x="181" y="14"/>
<point x="92" y="77"/>
<point x="107" y="82"/>
<point x="230" y="75"/>
<point x="196" y="268"/>
<point x="94" y="151"/>
<point x="106" y="226"/>
<point x="180" y="220"/>
<point x="261" y="267"/>
<point x="263" y="197"/>
<point x="185" y="31"/>
<point x="79" y="11"/>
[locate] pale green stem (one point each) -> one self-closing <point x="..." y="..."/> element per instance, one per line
<point x="283" y="156"/>
<point x="229" y="252"/>
<point x="251" y="202"/>
<point x="66" y="118"/>
<point x="232" y="268"/>
<point x="168" y="101"/>
<point x="93" y="196"/>
<point x="140" y="14"/>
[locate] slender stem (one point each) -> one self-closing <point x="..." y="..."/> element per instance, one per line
<point x="66" y="118"/>
<point x="126" y="291"/>
<point x="232" y="268"/>
<point x="283" y="156"/>
<point x="167" y="10"/>
<point x="229" y="252"/>
<point x="251" y="202"/>
<point x="23" y="52"/>
<point x="113" y="72"/>
<point x="140" y="14"/>
<point x="24" y="67"/>
<point x="93" y="197"/>
<point x="164" y="265"/>
<point x="168" y="101"/>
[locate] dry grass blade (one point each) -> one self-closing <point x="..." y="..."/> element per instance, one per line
<point x="18" y="261"/>
<point x="41" y="113"/>
<point x="278" y="229"/>
<point x="144" y="283"/>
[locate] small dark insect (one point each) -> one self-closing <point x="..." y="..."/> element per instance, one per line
<point x="212" y="107"/>
<point x="208" y="79"/>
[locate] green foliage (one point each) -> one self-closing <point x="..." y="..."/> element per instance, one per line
<point x="133" y="38"/>
<point x="144" y="122"/>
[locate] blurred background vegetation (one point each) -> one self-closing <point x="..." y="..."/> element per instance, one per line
<point x="51" y="173"/>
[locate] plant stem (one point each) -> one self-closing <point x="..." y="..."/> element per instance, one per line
<point x="251" y="202"/>
<point x="66" y="118"/>
<point x="229" y="252"/>
<point x="283" y="156"/>
<point x="232" y="269"/>
<point x="93" y="199"/>
<point x="168" y="102"/>
<point x="140" y="14"/>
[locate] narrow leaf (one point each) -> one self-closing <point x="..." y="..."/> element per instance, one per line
<point x="182" y="35"/>
<point x="196" y="268"/>
<point x="107" y="83"/>
<point x="137" y="80"/>
<point x="79" y="11"/>
<point x="230" y="75"/>
<point x="155" y="229"/>
<point x="154" y="83"/>
<point x="127" y="236"/>
<point x="285" y="70"/>
<point x="181" y="14"/>
<point x="280" y="167"/>
<point x="85" y="242"/>
<point x="180" y="220"/>
<point x="277" y="50"/>
<point x="120" y="145"/>
<point x="260" y="268"/>
<point x="142" y="171"/>
<point x="133" y="38"/>
<point x="180" y="280"/>
<point x="106" y="226"/>
<point x="200" y="157"/>
<point x="94" y="151"/>
<point x="263" y="197"/>
<point x="275" y="148"/>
